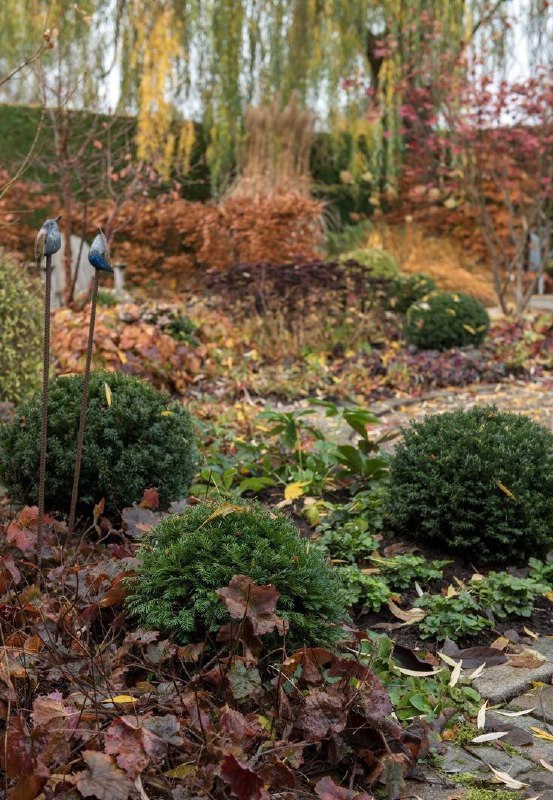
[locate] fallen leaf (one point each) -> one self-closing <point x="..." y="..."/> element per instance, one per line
<point x="489" y="737"/>
<point x="244" y="782"/>
<point x="103" y="779"/>
<point x="515" y="713"/>
<point x="107" y="391"/>
<point x="481" y="716"/>
<point x="539" y="733"/>
<point x="411" y="616"/>
<point x="508" y="780"/>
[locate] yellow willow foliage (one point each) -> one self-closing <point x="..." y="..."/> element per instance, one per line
<point x="157" y="49"/>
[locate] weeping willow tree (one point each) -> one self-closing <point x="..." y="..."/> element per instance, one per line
<point x="209" y="60"/>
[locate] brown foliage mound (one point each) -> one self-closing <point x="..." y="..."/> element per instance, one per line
<point x="126" y="342"/>
<point x="174" y="240"/>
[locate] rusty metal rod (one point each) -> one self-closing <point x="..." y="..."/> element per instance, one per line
<point x="84" y="403"/>
<point x="44" y="415"/>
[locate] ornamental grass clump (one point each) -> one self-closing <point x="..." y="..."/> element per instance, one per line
<point x="478" y="483"/>
<point x="135" y="438"/>
<point x="187" y="557"/>
<point x="442" y="320"/>
<point x="20" y="332"/>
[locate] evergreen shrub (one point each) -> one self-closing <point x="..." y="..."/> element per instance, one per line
<point x="478" y="483"/>
<point x="135" y="438"/>
<point x="442" y="320"/>
<point x="379" y="263"/>
<point x="187" y="557"/>
<point x="20" y="332"/>
<point x="405" y="290"/>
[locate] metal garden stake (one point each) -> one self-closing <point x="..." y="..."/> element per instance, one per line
<point x="99" y="258"/>
<point x="47" y="242"/>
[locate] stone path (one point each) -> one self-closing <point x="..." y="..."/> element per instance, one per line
<point x="530" y="752"/>
<point x="534" y="398"/>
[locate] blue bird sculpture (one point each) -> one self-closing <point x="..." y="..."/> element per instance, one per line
<point x="48" y="240"/>
<point x="98" y="255"/>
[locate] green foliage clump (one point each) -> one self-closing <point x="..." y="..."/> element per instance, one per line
<point x="477" y="482"/>
<point x="369" y="590"/>
<point x="350" y="237"/>
<point x="106" y="299"/>
<point x="348" y="532"/>
<point x="188" y="557"/>
<point x="446" y="319"/>
<point x="405" y="290"/>
<point x="379" y="263"/>
<point x="541" y="571"/>
<point x="20" y="332"/>
<point x="135" y="438"/>
<point x="505" y="594"/>
<point x="451" y="616"/>
<point x="403" y="570"/>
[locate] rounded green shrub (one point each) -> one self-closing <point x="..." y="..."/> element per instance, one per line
<point x="446" y="319"/>
<point x="478" y="483"/>
<point x="187" y="557"/>
<point x="20" y="332"/>
<point x="405" y="290"/>
<point x="379" y="263"/>
<point x="135" y="438"/>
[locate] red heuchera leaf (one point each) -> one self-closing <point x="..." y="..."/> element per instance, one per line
<point x="374" y="697"/>
<point x="22" y="530"/>
<point x="103" y="779"/>
<point x="326" y="789"/>
<point x="133" y="744"/>
<point x="49" y="711"/>
<point x="243" y="781"/>
<point x="150" y="499"/>
<point x="244" y="598"/>
<point x="324" y="713"/>
<point x="8" y="573"/>
<point x="312" y="660"/>
<point x="278" y="776"/>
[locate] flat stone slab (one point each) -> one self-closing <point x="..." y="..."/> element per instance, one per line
<point x="540" y="699"/>
<point x="455" y="760"/>
<point x="536" y="750"/>
<point x="502" y="683"/>
<point x="515" y="765"/>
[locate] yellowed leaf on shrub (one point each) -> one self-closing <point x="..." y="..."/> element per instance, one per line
<point x="505" y="490"/>
<point x="107" y="390"/>
<point x="224" y="511"/>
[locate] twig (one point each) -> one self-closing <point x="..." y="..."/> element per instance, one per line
<point x="44" y="416"/>
<point x="84" y="403"/>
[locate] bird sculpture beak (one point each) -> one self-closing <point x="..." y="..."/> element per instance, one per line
<point x="58" y="218"/>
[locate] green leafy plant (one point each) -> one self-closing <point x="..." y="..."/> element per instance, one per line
<point x="188" y="557"/>
<point x="20" y="332"/>
<point x="405" y="290"/>
<point x="379" y="263"/>
<point x="347" y="532"/>
<point x="350" y="237"/>
<point x="106" y="298"/>
<point x="402" y="571"/>
<point x="505" y="594"/>
<point x="477" y="482"/>
<point x="411" y="695"/>
<point x="135" y="438"/>
<point x="451" y="616"/>
<point x="446" y="319"/>
<point x="541" y="571"/>
<point x="369" y="590"/>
